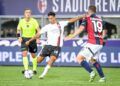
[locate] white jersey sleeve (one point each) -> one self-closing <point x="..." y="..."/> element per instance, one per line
<point x="43" y="30"/>
<point x="63" y="23"/>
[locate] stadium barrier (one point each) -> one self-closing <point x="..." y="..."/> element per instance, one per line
<point x="109" y="56"/>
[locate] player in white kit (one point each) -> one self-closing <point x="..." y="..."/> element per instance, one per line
<point x="54" y="32"/>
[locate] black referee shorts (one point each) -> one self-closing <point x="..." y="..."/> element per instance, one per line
<point x="32" y="47"/>
<point x="50" y="50"/>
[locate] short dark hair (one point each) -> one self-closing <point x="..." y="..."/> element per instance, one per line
<point x="27" y="9"/>
<point x="51" y="14"/>
<point x="92" y="8"/>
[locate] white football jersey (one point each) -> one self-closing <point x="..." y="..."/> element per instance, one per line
<point x="54" y="33"/>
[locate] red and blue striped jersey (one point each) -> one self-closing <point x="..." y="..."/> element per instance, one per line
<point x="94" y="28"/>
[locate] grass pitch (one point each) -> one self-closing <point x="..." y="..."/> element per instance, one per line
<point x="57" y="76"/>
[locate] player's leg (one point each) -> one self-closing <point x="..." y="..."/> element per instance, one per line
<point x="40" y="59"/>
<point x="24" y="50"/>
<point x="25" y="60"/>
<point x="33" y="50"/>
<point x="34" y="62"/>
<point x="81" y="60"/>
<point x="96" y="49"/>
<point x="42" y="54"/>
<point x="84" y="55"/>
<point x="53" y="52"/>
<point x="48" y="66"/>
<point x="99" y="69"/>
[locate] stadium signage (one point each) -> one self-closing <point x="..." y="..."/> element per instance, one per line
<point x="80" y="6"/>
<point x="42" y="5"/>
<point x="73" y="43"/>
<point x="4" y="56"/>
<point x="108" y="57"/>
<point x="61" y="7"/>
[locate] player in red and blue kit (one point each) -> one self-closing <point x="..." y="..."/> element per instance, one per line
<point x="94" y="27"/>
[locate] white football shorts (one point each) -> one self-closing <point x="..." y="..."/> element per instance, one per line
<point x="90" y="50"/>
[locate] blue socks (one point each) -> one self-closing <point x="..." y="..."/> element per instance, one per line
<point x="99" y="69"/>
<point x="89" y="69"/>
<point x="86" y="66"/>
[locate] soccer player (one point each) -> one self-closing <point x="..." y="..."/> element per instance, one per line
<point x="94" y="27"/>
<point x="54" y="32"/>
<point x="27" y="28"/>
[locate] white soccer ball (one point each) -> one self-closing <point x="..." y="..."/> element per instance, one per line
<point x="28" y="74"/>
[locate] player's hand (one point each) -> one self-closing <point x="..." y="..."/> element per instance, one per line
<point x="84" y="15"/>
<point x="27" y="43"/>
<point x="67" y="38"/>
<point x="20" y="40"/>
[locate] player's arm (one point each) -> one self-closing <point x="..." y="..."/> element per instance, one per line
<point x="38" y="30"/>
<point x="19" y="35"/>
<point x="104" y="33"/>
<point x="43" y="30"/>
<point x="76" y="18"/>
<point x="37" y="26"/>
<point x="65" y="23"/>
<point x="33" y="38"/>
<point x="78" y="31"/>
<point x="19" y="32"/>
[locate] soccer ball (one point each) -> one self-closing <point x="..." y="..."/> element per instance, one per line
<point x="28" y="74"/>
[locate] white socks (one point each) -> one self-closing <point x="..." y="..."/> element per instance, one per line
<point x="45" y="71"/>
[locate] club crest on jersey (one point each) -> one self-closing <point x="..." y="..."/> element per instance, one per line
<point x="42" y="5"/>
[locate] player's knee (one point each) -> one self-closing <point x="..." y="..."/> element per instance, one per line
<point x="80" y="59"/>
<point x="40" y="59"/>
<point x="53" y="58"/>
<point x="92" y="61"/>
<point x="33" y="55"/>
<point x="24" y="53"/>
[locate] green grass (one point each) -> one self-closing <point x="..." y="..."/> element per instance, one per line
<point x="57" y="76"/>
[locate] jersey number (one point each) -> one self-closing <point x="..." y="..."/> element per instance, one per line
<point x="97" y="26"/>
